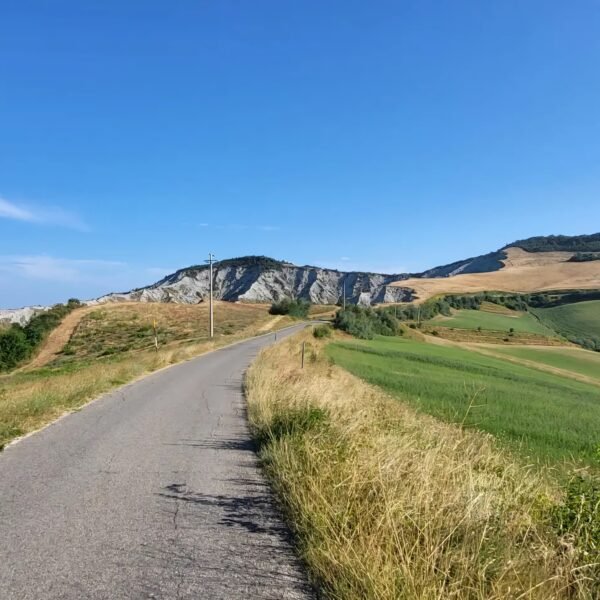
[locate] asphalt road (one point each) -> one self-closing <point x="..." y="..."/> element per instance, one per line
<point x="153" y="491"/>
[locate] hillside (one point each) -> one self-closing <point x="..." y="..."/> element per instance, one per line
<point x="579" y="322"/>
<point x="522" y="272"/>
<point x="263" y="279"/>
<point x="534" y="264"/>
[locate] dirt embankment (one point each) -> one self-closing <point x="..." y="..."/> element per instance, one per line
<point x="58" y="338"/>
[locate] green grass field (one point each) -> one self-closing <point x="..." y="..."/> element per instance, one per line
<point x="582" y="362"/>
<point x="578" y="320"/>
<point x="549" y="417"/>
<point x="472" y="319"/>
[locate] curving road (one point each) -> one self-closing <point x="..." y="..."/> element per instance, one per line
<point x="153" y="491"/>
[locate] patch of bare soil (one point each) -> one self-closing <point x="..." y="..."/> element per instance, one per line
<point x="59" y="337"/>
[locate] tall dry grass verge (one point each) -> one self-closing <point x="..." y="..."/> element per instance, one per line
<point x="388" y="503"/>
<point x="33" y="398"/>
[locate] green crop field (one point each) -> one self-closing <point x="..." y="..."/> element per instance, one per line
<point x="581" y="319"/>
<point x="472" y="319"/>
<point x="582" y="362"/>
<point x="549" y="417"/>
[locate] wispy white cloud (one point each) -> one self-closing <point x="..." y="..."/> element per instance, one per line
<point x="42" y="279"/>
<point x="48" y="268"/>
<point x="49" y="215"/>
<point x="8" y="210"/>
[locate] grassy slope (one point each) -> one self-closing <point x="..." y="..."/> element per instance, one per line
<point x="391" y="503"/>
<point x="548" y="416"/>
<point x="118" y="328"/>
<point x="32" y="397"/>
<point x="579" y="361"/>
<point x="581" y="319"/>
<point x="472" y="319"/>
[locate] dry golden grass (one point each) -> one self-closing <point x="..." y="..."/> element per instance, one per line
<point x="30" y="398"/>
<point x="388" y="503"/>
<point x="117" y="328"/>
<point x="523" y="272"/>
<point x="322" y="311"/>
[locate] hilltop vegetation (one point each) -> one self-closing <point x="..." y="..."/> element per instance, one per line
<point x="261" y="262"/>
<point x="559" y="243"/>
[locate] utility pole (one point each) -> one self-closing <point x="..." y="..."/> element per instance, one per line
<point x="211" y="258"/>
<point x="155" y="334"/>
<point x="344" y="294"/>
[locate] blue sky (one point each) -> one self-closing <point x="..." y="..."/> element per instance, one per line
<point x="137" y="136"/>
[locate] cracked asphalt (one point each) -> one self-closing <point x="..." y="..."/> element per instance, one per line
<point x="153" y="491"/>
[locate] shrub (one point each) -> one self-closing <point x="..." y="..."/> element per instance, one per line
<point x="293" y="308"/>
<point x="322" y="331"/>
<point x="14" y="347"/>
<point x="366" y="323"/>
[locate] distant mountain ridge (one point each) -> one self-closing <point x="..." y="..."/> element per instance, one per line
<point x="264" y="279"/>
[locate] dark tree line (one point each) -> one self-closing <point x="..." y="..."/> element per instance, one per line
<point x="560" y="243"/>
<point x="293" y="308"/>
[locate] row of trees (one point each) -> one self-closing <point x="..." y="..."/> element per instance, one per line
<point x="561" y="243"/>
<point x="18" y="343"/>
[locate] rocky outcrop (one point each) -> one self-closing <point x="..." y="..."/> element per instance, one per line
<point x="254" y="279"/>
<point x="21" y="316"/>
